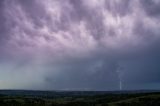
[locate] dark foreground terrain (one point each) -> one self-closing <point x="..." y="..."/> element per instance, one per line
<point x="79" y="98"/>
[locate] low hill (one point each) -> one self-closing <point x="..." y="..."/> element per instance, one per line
<point x="79" y="98"/>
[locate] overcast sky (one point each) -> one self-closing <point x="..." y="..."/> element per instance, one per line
<point x="80" y="44"/>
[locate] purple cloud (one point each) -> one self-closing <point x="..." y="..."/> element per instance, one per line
<point x="78" y="44"/>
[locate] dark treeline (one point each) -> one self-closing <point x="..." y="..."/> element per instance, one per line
<point x="134" y="99"/>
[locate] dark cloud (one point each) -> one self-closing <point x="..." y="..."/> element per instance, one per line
<point x="86" y="74"/>
<point x="3" y="29"/>
<point x="151" y="7"/>
<point x="119" y="8"/>
<point x="79" y="44"/>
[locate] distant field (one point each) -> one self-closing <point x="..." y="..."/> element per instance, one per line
<point x="52" y="98"/>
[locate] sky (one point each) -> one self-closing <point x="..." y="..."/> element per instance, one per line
<point x="80" y="44"/>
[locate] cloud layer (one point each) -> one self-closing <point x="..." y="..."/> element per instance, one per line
<point x="79" y="44"/>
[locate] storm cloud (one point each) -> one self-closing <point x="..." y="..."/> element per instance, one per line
<point x="79" y="44"/>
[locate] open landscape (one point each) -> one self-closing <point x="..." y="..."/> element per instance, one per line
<point x="79" y="52"/>
<point x="79" y="98"/>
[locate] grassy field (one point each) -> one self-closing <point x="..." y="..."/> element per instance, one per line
<point x="79" y="99"/>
